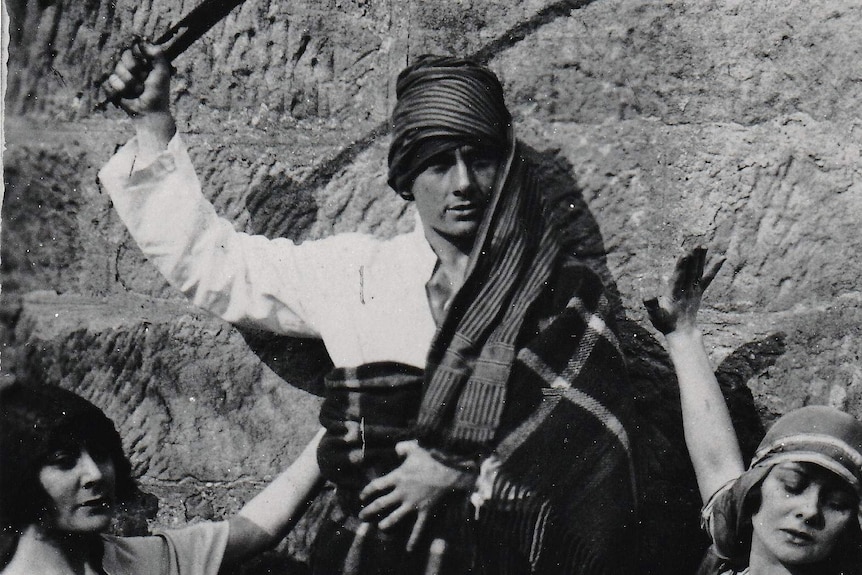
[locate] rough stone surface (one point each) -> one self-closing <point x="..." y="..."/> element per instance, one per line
<point x="661" y="125"/>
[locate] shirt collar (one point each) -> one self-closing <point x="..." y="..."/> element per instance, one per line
<point x="426" y="259"/>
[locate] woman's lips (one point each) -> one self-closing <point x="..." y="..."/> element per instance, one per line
<point x="799" y="537"/>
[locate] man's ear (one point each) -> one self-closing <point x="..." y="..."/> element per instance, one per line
<point x="407" y="195"/>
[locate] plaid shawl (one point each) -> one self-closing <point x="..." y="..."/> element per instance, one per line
<point x="366" y="411"/>
<point x="526" y="366"/>
<point x="562" y="495"/>
<point x="561" y="499"/>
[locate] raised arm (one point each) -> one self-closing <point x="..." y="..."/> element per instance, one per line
<point x="245" y="279"/>
<point x="264" y="520"/>
<point x="709" y="434"/>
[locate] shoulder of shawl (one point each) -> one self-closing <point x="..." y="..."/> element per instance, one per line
<point x="574" y="277"/>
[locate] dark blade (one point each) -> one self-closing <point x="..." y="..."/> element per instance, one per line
<point x="185" y="32"/>
<point x="194" y="25"/>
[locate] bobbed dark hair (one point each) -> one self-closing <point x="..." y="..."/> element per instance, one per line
<point x="36" y="420"/>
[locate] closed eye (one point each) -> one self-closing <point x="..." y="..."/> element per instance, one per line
<point x="793" y="481"/>
<point x="841" y="500"/>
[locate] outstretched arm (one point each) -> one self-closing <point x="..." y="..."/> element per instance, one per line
<point x="264" y="520"/>
<point x="709" y="434"/>
<point x="246" y="280"/>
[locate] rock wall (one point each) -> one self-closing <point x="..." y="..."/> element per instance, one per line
<point x="729" y="124"/>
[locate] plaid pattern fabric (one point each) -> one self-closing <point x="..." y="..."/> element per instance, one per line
<point x="366" y="411"/>
<point x="563" y="498"/>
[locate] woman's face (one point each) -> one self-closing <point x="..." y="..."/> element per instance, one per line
<point x="81" y="486"/>
<point x="804" y="510"/>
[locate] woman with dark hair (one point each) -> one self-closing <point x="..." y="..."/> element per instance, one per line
<point x="63" y="472"/>
<point x="796" y="509"/>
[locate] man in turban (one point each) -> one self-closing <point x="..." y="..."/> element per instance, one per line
<point x="476" y="418"/>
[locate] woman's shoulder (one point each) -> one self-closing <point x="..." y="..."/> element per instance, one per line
<point x="134" y="555"/>
<point x="195" y="549"/>
<point x="713" y="564"/>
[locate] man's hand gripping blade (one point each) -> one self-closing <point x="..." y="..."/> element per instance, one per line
<point x="184" y="33"/>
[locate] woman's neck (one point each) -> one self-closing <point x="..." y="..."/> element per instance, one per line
<point x="54" y="554"/>
<point x="767" y="568"/>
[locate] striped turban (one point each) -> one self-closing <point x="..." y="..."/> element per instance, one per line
<point x="443" y="103"/>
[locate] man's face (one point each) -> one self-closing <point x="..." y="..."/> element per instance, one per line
<point x="453" y="191"/>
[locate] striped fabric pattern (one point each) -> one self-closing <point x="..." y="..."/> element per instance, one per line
<point x="527" y="367"/>
<point x="472" y="354"/>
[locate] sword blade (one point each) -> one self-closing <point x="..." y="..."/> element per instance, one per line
<point x="186" y="32"/>
<point x="194" y="25"/>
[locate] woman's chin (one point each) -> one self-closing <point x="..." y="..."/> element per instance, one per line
<point x="87" y="521"/>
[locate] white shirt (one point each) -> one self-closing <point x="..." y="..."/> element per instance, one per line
<point x="364" y="297"/>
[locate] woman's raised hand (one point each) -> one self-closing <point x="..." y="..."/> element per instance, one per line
<point x="676" y="310"/>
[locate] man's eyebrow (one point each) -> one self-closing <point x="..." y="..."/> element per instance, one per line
<point x="441" y="158"/>
<point x="482" y="154"/>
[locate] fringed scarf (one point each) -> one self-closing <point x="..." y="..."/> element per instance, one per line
<point x="471" y="358"/>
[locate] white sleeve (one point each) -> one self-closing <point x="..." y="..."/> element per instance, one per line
<point x="197" y="549"/>
<point x="247" y="280"/>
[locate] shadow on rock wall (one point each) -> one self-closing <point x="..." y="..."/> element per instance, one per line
<point x="281" y="207"/>
<point x="669" y="499"/>
<point x="302" y="362"/>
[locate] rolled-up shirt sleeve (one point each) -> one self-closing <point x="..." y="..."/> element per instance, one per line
<point x="247" y="280"/>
